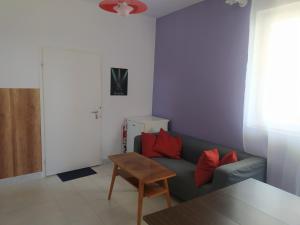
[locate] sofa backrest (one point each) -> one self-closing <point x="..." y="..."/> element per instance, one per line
<point x="193" y="147"/>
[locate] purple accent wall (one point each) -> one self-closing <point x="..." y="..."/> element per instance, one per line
<point x="200" y="71"/>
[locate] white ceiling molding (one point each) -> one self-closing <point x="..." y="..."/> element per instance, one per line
<point x="242" y="3"/>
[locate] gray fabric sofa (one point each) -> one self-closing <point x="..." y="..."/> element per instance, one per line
<point x="183" y="185"/>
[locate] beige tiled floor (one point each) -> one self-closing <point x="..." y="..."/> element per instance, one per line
<point x="49" y="201"/>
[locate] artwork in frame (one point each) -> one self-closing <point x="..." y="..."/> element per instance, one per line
<point x="119" y="82"/>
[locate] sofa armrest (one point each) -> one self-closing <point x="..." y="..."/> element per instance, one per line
<point x="229" y="174"/>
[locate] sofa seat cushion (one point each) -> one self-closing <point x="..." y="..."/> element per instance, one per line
<point x="183" y="185"/>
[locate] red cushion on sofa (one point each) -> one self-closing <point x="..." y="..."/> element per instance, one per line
<point x="230" y="157"/>
<point x="207" y="163"/>
<point x="168" y="145"/>
<point x="148" y="141"/>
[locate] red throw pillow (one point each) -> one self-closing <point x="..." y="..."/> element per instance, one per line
<point x="230" y="157"/>
<point x="207" y="163"/>
<point x="148" y="142"/>
<point x="168" y="145"/>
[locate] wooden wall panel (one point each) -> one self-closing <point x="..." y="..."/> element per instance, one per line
<point x="22" y="127"/>
<point x="27" y="130"/>
<point x="6" y="135"/>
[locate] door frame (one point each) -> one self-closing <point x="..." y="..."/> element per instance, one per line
<point x="42" y="99"/>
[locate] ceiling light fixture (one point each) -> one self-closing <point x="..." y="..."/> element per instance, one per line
<point x="123" y="7"/>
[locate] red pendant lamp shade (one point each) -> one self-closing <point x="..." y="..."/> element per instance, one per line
<point x="125" y="6"/>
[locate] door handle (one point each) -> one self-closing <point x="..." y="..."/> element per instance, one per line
<point x="96" y="113"/>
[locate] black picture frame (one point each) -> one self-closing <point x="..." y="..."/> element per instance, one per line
<point x="119" y="82"/>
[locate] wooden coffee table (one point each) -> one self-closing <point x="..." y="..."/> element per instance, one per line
<point x="148" y="176"/>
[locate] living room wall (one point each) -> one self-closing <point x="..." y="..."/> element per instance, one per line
<point x="28" y="26"/>
<point x="200" y="71"/>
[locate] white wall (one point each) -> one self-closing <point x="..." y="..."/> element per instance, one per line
<point x="28" y="26"/>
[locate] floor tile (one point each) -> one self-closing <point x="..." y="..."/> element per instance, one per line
<point x="49" y="201"/>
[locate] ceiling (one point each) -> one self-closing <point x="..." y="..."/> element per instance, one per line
<point x="159" y="8"/>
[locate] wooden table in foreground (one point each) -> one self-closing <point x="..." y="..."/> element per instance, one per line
<point x="148" y="176"/>
<point x="248" y="203"/>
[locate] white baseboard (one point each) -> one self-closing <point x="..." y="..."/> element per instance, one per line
<point x="27" y="177"/>
<point x="105" y="161"/>
<point x="39" y="175"/>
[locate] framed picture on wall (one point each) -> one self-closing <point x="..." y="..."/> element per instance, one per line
<point x="119" y="82"/>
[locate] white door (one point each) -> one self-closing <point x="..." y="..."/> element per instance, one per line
<point x="72" y="104"/>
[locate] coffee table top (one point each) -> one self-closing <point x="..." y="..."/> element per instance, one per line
<point x="248" y="202"/>
<point x="142" y="168"/>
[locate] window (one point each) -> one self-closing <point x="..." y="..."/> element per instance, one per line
<point x="274" y="100"/>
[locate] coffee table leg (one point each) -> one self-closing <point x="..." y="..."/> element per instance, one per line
<point x="114" y="174"/>
<point x="167" y="195"/>
<point x="140" y="203"/>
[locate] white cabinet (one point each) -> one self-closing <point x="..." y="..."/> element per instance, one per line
<point x="147" y="124"/>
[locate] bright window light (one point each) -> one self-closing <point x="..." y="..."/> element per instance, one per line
<point x="281" y="93"/>
<point x="274" y="99"/>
